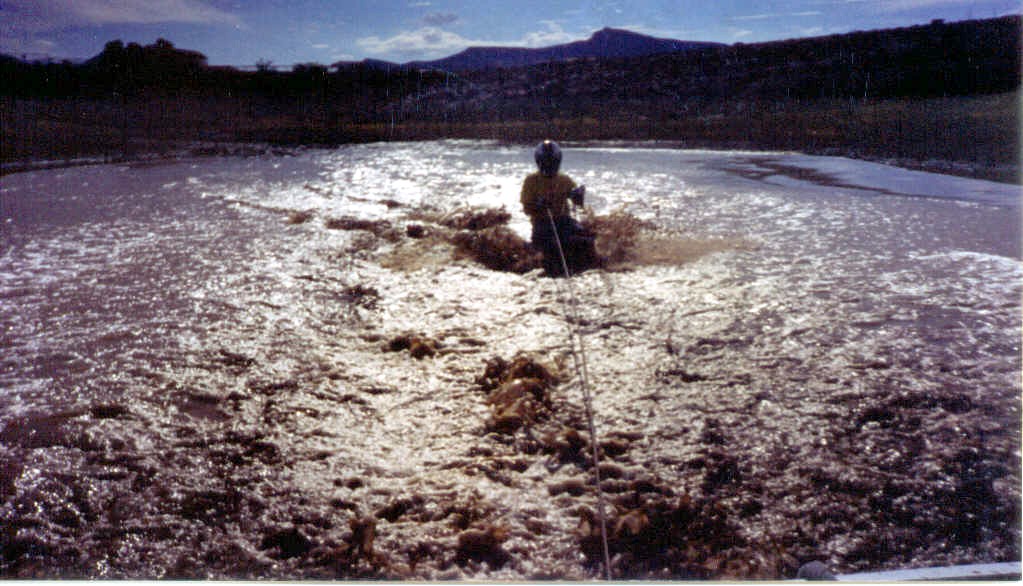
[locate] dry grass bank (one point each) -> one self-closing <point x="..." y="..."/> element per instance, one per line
<point x="974" y="136"/>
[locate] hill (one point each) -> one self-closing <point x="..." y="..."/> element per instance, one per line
<point x="607" y="43"/>
<point x="935" y="60"/>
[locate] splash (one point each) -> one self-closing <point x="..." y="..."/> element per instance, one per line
<point x="626" y="242"/>
<point x="477" y="234"/>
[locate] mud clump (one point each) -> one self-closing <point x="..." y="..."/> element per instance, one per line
<point x="344" y="558"/>
<point x="479" y="234"/>
<point x="499" y="371"/>
<point x="415" y="231"/>
<point x="299" y="217"/>
<point x="518" y="392"/>
<point x="361" y="296"/>
<point x="654" y="534"/>
<point x="235" y="361"/>
<point x="379" y="228"/>
<point x="289" y="543"/>
<point x="108" y="411"/>
<point x="363" y="535"/>
<point x="482" y="235"/>
<point x="567" y="446"/>
<point x="516" y="403"/>
<point x="396" y="509"/>
<point x="359" y="544"/>
<point x="498" y="248"/>
<point x="418" y="346"/>
<point x="572" y="486"/>
<point x="477" y="219"/>
<point x="483" y="545"/>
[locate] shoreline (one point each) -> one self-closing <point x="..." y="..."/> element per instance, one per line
<point x="999" y="173"/>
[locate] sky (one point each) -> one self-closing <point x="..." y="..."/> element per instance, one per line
<point x="286" y="32"/>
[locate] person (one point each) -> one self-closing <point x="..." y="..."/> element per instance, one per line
<point x="545" y="197"/>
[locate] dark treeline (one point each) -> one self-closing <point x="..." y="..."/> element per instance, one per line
<point x="133" y="99"/>
<point x="162" y="69"/>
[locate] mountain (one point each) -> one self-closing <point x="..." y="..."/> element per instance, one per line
<point x="374" y="64"/>
<point x="605" y="43"/>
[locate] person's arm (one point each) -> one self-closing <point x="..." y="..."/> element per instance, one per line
<point x="573" y="192"/>
<point x="532" y="202"/>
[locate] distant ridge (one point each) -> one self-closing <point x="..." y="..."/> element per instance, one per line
<point x="368" y="64"/>
<point x="605" y="43"/>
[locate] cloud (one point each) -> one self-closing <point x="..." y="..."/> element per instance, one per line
<point x="439" y="19"/>
<point x="431" y="42"/>
<point x="425" y="42"/>
<point x="48" y="15"/>
<point x="754" y="17"/>
<point x="780" y="15"/>
<point x="552" y="35"/>
<point x="331" y="53"/>
<point x="32" y="48"/>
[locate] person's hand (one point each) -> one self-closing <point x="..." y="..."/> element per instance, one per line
<point x="577" y="195"/>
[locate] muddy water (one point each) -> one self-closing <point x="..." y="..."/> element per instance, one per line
<point x="203" y="372"/>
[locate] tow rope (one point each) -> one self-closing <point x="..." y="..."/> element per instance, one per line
<point x="575" y="338"/>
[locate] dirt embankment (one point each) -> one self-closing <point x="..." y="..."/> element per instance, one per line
<point x="971" y="136"/>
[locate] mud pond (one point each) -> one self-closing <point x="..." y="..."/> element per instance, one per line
<point x="294" y="367"/>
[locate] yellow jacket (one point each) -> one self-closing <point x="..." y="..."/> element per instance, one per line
<point x="540" y="192"/>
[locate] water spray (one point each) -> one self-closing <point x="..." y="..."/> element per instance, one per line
<point x="582" y="371"/>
